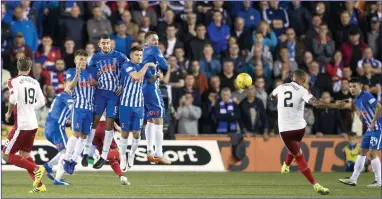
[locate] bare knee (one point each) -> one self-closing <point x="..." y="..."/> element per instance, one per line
<point x="84" y="136"/>
<point x="5" y="156"/>
<point x="125" y="134"/>
<point x="363" y="152"/>
<point x="373" y="154"/>
<point x="136" y="134"/>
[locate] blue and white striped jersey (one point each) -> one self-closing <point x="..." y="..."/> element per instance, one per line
<point x="61" y="108"/>
<point x="366" y="104"/>
<point x="108" y="66"/>
<point x="132" y="95"/>
<point x="83" y="93"/>
<point x="153" y="54"/>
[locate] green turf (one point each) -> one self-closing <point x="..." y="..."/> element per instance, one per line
<point x="159" y="184"/>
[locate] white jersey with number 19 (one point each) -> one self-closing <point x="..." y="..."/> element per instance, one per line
<point x="27" y="95"/>
<point x="291" y="98"/>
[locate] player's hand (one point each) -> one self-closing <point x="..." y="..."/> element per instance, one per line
<point x="372" y="125"/>
<point x="341" y="104"/>
<point x="7" y="116"/>
<point x="160" y="75"/>
<point x="119" y="91"/>
<point x="151" y="64"/>
<point x="92" y="81"/>
<point x="78" y="71"/>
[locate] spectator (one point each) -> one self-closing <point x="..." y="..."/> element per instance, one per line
<point x="19" y="45"/>
<point x="26" y="27"/>
<point x="258" y="60"/>
<point x="334" y="70"/>
<point x="189" y="87"/>
<point x="277" y="17"/>
<point x="228" y="75"/>
<point x="56" y="77"/>
<point x="295" y="47"/>
<point x="6" y="36"/>
<point x="323" y="46"/>
<point x="214" y="86"/>
<point x="328" y="121"/>
<point x="300" y="18"/>
<point x="183" y="63"/>
<point x="270" y="38"/>
<point x="169" y="20"/>
<point x="47" y="54"/>
<point x="188" y="115"/>
<point x="69" y="53"/>
<point x="37" y="75"/>
<point x="218" y="5"/>
<point x="209" y="65"/>
<point x="189" y="28"/>
<point x="161" y="10"/>
<point x="371" y="83"/>
<point x="131" y="28"/>
<point x="227" y="113"/>
<point x="66" y="8"/>
<point x="198" y="43"/>
<point x="347" y="73"/>
<point x="342" y="32"/>
<point x="234" y="56"/>
<point x="171" y="42"/>
<point x="260" y="90"/>
<point x="356" y="16"/>
<point x="13" y="66"/>
<point x="321" y="12"/>
<point x="272" y="111"/>
<point x="98" y="26"/>
<point x="259" y="73"/>
<point x="4" y="107"/>
<point x="368" y="57"/>
<point x="90" y="49"/>
<point x="265" y="51"/>
<point x="313" y="32"/>
<point x="5" y="76"/>
<point x="374" y="36"/>
<point x="122" y="41"/>
<point x="242" y="35"/>
<point x="238" y="94"/>
<point x="218" y="33"/>
<point x="173" y="77"/>
<point x="141" y="38"/>
<point x="201" y="81"/>
<point x="207" y="121"/>
<point x="319" y="82"/>
<point x="250" y="15"/>
<point x="253" y="115"/>
<point x="145" y="24"/>
<point x="346" y="113"/>
<point x="283" y="67"/>
<point x="352" y="49"/>
<point x="188" y="7"/>
<point x="73" y="27"/>
<point x="117" y="14"/>
<point x="145" y="10"/>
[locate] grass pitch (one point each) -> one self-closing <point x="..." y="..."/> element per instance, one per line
<point x="187" y="184"/>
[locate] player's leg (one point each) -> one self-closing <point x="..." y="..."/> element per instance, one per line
<point x="149" y="106"/>
<point x="60" y="170"/>
<point x="375" y="144"/>
<point x="137" y="123"/>
<point x="77" y="120"/>
<point x="40" y="186"/>
<point x="113" y="157"/>
<point x="125" y="119"/>
<point x="80" y="145"/>
<point x="111" y="114"/>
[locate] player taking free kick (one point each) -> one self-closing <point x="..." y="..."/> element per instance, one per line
<point x="291" y="99"/>
<point x="27" y="95"/>
<point x="371" y="111"/>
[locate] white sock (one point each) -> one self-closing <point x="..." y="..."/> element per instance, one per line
<point x="109" y="135"/>
<point x="123" y="145"/>
<point x="60" y="170"/>
<point x="78" y="149"/>
<point x="159" y="140"/>
<point x="89" y="142"/>
<point x="70" y="147"/>
<point x="358" y="167"/>
<point x="92" y="150"/>
<point x="134" y="147"/>
<point x="150" y="137"/>
<point x="376" y="164"/>
<point x="55" y="160"/>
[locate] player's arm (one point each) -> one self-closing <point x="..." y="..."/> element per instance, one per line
<point x="162" y="62"/>
<point x="378" y="111"/>
<point x="137" y="75"/>
<point x="73" y="78"/>
<point x="12" y="99"/>
<point x="273" y="95"/>
<point x="319" y="104"/>
<point x="40" y="99"/>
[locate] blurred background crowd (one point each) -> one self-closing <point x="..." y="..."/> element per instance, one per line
<point x="207" y="44"/>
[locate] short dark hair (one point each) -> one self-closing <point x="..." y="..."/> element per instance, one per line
<point x="24" y="64"/>
<point x="299" y="73"/>
<point x="149" y="33"/>
<point x="171" y="26"/>
<point x="81" y="52"/>
<point x="105" y="37"/>
<point x="354" y="80"/>
<point x="136" y="48"/>
<point x="217" y="10"/>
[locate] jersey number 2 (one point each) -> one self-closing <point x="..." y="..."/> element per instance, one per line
<point x="29" y="95"/>
<point x="288" y="96"/>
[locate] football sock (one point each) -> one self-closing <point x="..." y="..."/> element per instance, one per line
<point x="358" y="166"/>
<point x="115" y="166"/>
<point x="89" y="142"/>
<point x="55" y="160"/>
<point x="109" y="135"/>
<point x="92" y="150"/>
<point x="289" y="159"/>
<point x="159" y="140"/>
<point x="304" y="169"/>
<point x="60" y="169"/>
<point x="149" y="132"/>
<point x="70" y="145"/>
<point x="78" y="149"/>
<point x="22" y="162"/>
<point x="134" y="147"/>
<point x="376" y="164"/>
<point x="123" y="145"/>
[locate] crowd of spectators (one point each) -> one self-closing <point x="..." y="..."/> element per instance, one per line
<point x="207" y="45"/>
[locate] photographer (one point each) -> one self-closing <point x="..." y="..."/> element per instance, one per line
<point x="188" y="115"/>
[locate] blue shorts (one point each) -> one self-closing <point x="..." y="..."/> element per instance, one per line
<point x="131" y="118"/>
<point x="154" y="105"/>
<point x="372" y="140"/>
<point x="82" y="120"/>
<point x="106" y="99"/>
<point x="56" y="135"/>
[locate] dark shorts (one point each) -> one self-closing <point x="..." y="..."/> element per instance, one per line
<point x="19" y="140"/>
<point x="292" y="140"/>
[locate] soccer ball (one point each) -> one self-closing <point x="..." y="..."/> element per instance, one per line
<point x="243" y="80"/>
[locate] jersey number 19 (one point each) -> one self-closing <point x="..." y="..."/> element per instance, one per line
<point x="30" y="95"/>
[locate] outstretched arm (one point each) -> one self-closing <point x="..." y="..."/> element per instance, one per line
<point x="319" y="104"/>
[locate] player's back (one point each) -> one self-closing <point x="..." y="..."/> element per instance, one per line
<point x="291" y="99"/>
<point x="61" y="108"/>
<point x="153" y="54"/>
<point x="366" y="104"/>
<point x="27" y="95"/>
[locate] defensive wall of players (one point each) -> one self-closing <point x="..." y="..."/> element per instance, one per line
<point x="213" y="153"/>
